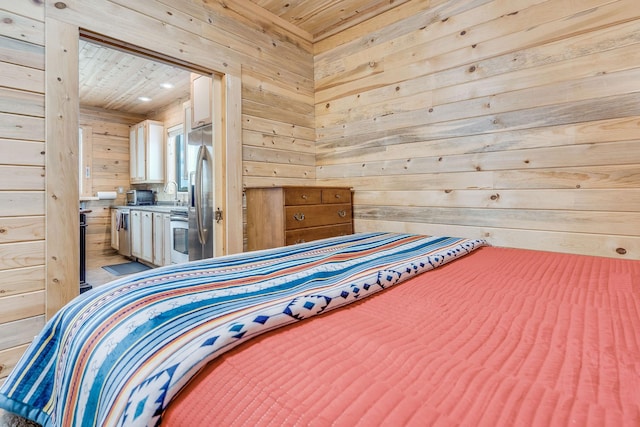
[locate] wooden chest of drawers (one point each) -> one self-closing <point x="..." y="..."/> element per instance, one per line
<point x="279" y="216"/>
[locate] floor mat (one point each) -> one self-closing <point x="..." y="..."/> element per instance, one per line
<point x="126" y="268"/>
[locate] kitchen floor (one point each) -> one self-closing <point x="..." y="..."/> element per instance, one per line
<point x="96" y="275"/>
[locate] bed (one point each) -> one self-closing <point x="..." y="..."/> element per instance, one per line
<point x="369" y="329"/>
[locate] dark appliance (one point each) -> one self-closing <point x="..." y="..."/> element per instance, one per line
<point x="84" y="286"/>
<point x="124" y="231"/>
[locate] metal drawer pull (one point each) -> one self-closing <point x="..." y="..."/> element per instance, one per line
<point x="304" y="197"/>
<point x="300" y="241"/>
<point x="342" y="213"/>
<point x="337" y="196"/>
<point x="298" y="216"/>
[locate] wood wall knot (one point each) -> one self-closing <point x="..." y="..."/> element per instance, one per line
<point x="621" y="251"/>
<point x="7" y="21"/>
<point x="495" y="196"/>
<point x="3" y="230"/>
<point x="60" y="5"/>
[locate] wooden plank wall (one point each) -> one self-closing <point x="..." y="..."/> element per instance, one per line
<point x="22" y="179"/>
<point x="272" y="65"/>
<point x="275" y="66"/>
<point x="109" y="159"/>
<point x="516" y="121"/>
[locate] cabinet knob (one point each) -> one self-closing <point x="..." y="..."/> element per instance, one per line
<point x="298" y="216"/>
<point x="342" y="213"/>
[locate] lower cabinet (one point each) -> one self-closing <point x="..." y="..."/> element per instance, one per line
<point x="146" y="254"/>
<point x="159" y="240"/>
<point x="150" y="236"/>
<point x="115" y="236"/>
<point x="135" y="227"/>
<point x="166" y="221"/>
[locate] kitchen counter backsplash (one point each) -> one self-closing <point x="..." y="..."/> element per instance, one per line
<point x="163" y="196"/>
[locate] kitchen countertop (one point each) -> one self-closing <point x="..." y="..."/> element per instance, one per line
<point x="154" y="208"/>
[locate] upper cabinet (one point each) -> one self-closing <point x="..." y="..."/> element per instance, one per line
<point x="201" y="100"/>
<point x="146" y="147"/>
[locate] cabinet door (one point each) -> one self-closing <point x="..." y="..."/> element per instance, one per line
<point x="137" y="153"/>
<point x="158" y="239"/>
<point x="146" y="252"/>
<point x="141" y="133"/>
<point x="115" y="241"/>
<point x="166" y="221"/>
<point x="201" y="101"/>
<point x="146" y="151"/>
<point x="133" y="154"/>
<point x="154" y="152"/>
<point x="135" y="226"/>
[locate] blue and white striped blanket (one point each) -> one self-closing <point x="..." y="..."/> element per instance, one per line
<point x="117" y="355"/>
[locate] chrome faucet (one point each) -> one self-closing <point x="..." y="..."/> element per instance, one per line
<point x="175" y="193"/>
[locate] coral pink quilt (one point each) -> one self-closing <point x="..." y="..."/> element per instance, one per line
<point x="502" y="337"/>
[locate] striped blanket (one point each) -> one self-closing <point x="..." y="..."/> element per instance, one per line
<point x="117" y="355"/>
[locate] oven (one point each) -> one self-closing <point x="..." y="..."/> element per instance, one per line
<point x="179" y="237"/>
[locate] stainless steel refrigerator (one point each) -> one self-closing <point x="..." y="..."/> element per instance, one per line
<point x="201" y="195"/>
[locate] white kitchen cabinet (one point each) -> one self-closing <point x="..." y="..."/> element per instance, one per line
<point x="141" y="226"/>
<point x="201" y="100"/>
<point x="150" y="236"/>
<point x="158" y="239"/>
<point x="115" y="237"/>
<point x="146" y="251"/>
<point x="135" y="227"/>
<point x="166" y="225"/>
<point x="146" y="150"/>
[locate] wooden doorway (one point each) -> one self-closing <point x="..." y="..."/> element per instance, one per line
<point x="62" y="194"/>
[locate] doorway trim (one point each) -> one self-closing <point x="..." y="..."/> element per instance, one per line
<point x="62" y="195"/>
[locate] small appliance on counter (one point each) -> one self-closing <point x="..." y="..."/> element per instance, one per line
<point x="140" y="197"/>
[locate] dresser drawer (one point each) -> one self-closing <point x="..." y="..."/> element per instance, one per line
<point x="302" y="196"/>
<point x="279" y="216"/>
<point x="317" y="215"/>
<point x="315" y="233"/>
<point x="336" y="195"/>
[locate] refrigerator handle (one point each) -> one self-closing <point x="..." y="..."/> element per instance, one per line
<point x="202" y="233"/>
<point x="191" y="189"/>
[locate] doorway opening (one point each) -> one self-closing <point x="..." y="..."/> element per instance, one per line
<point x="137" y="110"/>
<point x="62" y="166"/>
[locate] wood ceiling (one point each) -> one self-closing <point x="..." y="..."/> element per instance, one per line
<point x="323" y="18"/>
<point x="110" y="79"/>
<point x="114" y="80"/>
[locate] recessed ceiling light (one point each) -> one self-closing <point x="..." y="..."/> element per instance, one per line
<point x="144" y="98"/>
<point x="166" y="85"/>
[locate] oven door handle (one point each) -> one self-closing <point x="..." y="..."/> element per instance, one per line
<point x="179" y="218"/>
